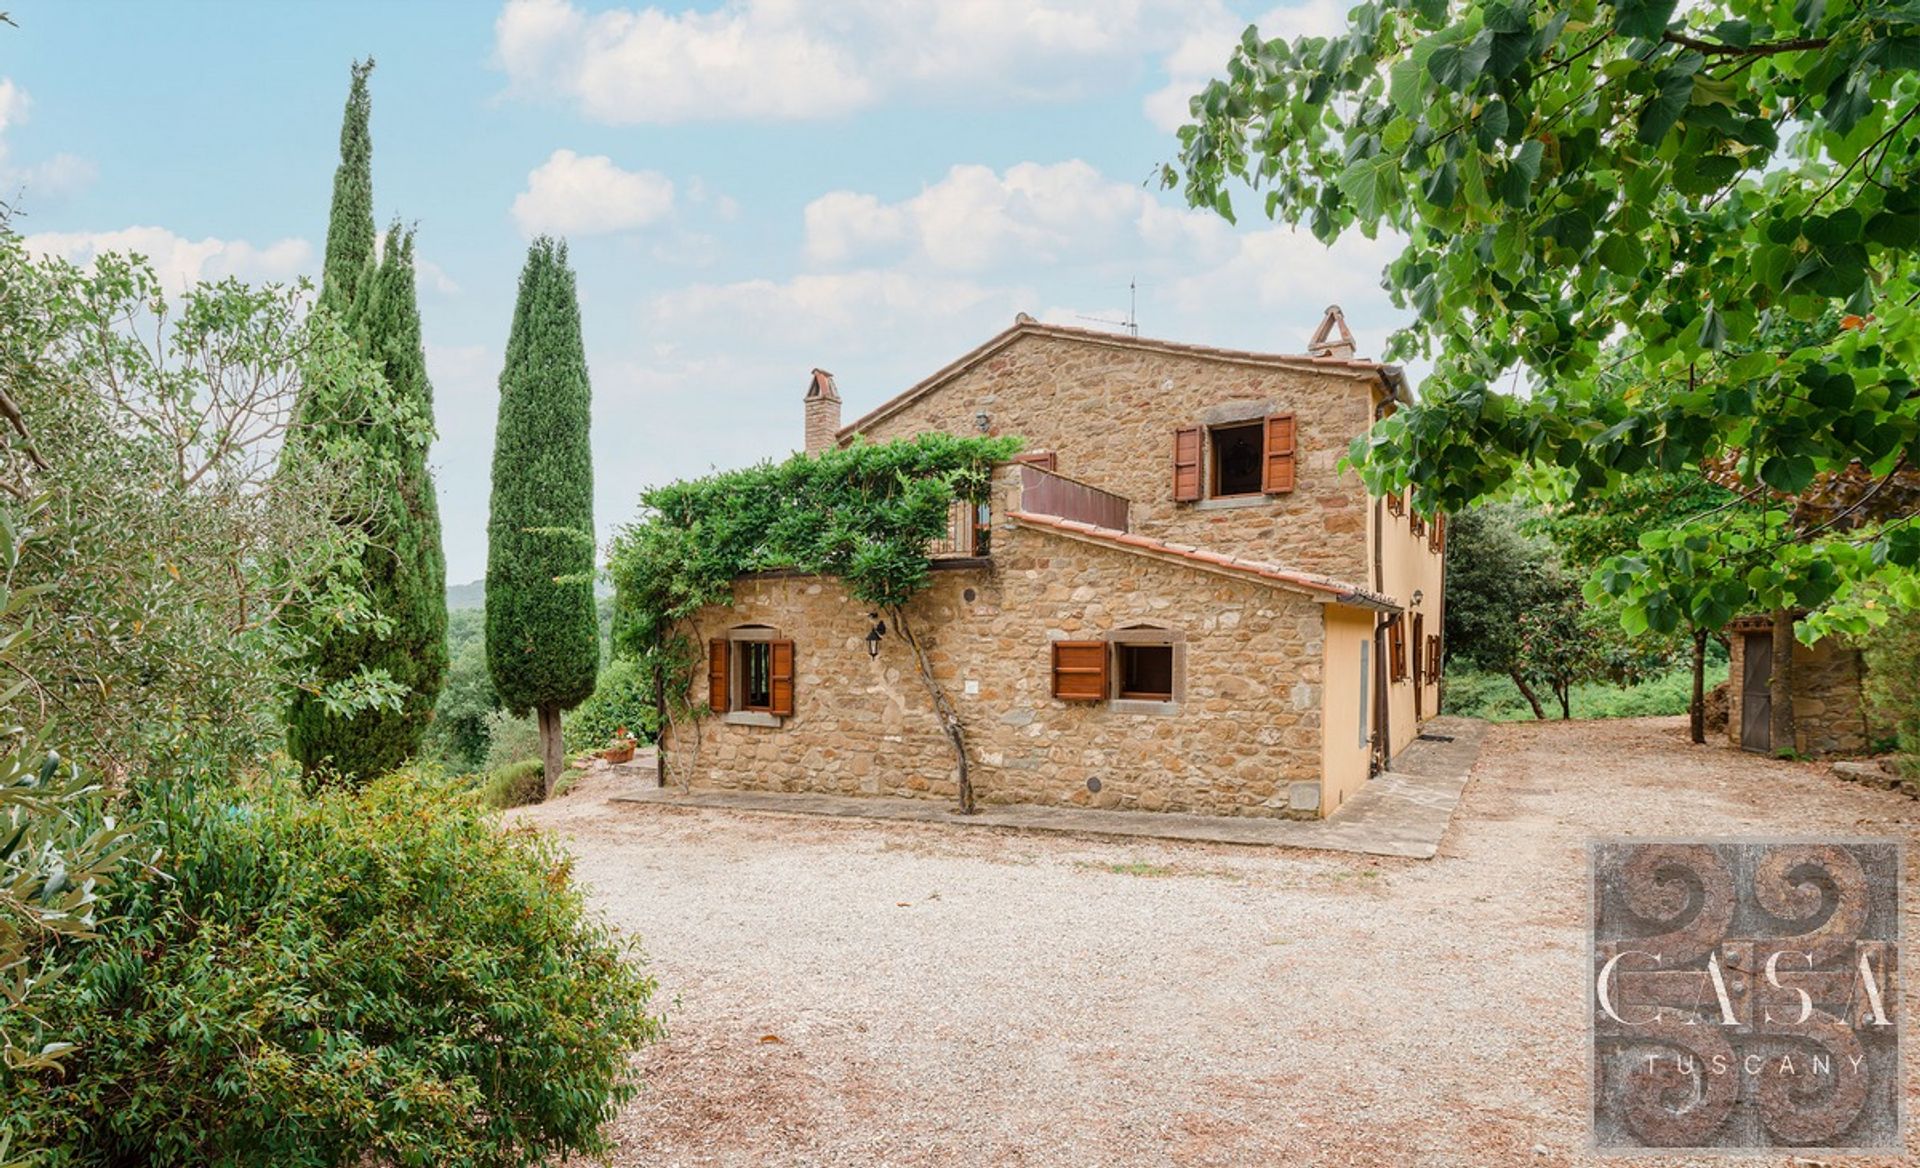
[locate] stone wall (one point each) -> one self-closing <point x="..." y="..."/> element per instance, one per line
<point x="1109" y="410"/>
<point x="1829" y="716"/>
<point x="1248" y="726"/>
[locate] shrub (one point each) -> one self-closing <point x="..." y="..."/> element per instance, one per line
<point x="459" y="734"/>
<point x="510" y="740"/>
<point x="623" y="696"/>
<point x="382" y="977"/>
<point x="1893" y="684"/>
<point x="516" y="785"/>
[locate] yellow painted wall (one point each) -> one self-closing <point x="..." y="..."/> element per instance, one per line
<point x="1409" y="566"/>
<point x="1346" y="714"/>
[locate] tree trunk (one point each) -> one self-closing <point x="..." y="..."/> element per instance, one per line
<point x="1697" y="711"/>
<point x="1564" y="691"/>
<point x="949" y="717"/>
<point x="552" y="756"/>
<point x="1780" y="685"/>
<point x="659" y="726"/>
<point x="1526" y="691"/>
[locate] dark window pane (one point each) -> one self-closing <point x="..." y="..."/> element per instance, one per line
<point x="1236" y="459"/>
<point x="756" y="675"/>
<point x="1146" y="671"/>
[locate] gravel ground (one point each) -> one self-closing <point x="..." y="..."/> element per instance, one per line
<point x="861" y="993"/>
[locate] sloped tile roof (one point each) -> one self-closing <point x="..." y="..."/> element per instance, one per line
<point x="1201" y="558"/>
<point x="1392" y="376"/>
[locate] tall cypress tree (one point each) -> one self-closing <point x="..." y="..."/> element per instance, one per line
<point x="402" y="569"/>
<point x="543" y="645"/>
<point x="350" y="224"/>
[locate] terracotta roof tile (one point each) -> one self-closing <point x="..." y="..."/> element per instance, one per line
<point x="1211" y="560"/>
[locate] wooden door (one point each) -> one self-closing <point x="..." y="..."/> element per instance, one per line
<point x="1756" y="699"/>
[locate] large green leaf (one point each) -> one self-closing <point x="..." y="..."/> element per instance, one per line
<point x="1372" y="184"/>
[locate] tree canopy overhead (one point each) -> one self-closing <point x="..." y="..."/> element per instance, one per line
<point x="1693" y="236"/>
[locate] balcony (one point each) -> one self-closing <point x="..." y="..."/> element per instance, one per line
<point x="1046" y="493"/>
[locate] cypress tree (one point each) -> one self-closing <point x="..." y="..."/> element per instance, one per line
<point x="543" y="644"/>
<point x="402" y="570"/>
<point x="350" y="224"/>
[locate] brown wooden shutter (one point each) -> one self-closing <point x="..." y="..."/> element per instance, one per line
<point x="1278" y="476"/>
<point x="1397" y="647"/>
<point x="780" y="673"/>
<point x="1080" y="671"/>
<point x="1437" y="541"/>
<point x="718" y="652"/>
<point x="1419" y="649"/>
<point x="1186" y="465"/>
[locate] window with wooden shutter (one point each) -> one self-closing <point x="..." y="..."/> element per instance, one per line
<point x="1437" y="538"/>
<point x="1396" y="504"/>
<point x="1419" y="649"/>
<point x="1080" y="671"/>
<point x="1045" y="460"/>
<point x="1279" y="476"/>
<point x="1186" y="465"/>
<point x="780" y="672"/>
<point x="718" y="652"/>
<point x="1397" y="648"/>
<point x="1433" y="657"/>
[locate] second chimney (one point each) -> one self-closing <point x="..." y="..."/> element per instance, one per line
<point x="823" y="412"/>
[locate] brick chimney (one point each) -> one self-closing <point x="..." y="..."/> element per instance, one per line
<point x="1325" y="342"/>
<point x="823" y="412"/>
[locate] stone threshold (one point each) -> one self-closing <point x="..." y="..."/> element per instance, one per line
<point x="1399" y="813"/>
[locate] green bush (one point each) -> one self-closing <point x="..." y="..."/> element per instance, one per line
<point x="1893" y="684"/>
<point x="516" y="785"/>
<point x="382" y="977"/>
<point x="510" y="740"/>
<point x="458" y="735"/>
<point x="623" y="696"/>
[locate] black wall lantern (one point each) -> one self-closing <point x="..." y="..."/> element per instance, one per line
<point x="874" y="634"/>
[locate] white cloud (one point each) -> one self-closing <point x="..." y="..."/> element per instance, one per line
<point x="573" y="194"/>
<point x="1202" y="53"/>
<point x="976" y="219"/>
<point x="177" y="261"/>
<point x="818" y="313"/>
<point x="788" y="60"/>
<point x="41" y="183"/>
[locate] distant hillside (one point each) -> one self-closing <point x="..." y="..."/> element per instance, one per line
<point x="473" y="595"/>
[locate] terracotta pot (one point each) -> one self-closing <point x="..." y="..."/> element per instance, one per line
<point x="618" y="753"/>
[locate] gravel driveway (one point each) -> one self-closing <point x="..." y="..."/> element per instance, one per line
<point x="864" y="993"/>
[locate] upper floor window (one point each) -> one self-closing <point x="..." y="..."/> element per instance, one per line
<point x="1234" y="460"/>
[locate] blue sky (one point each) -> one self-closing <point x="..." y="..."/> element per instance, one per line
<point x="749" y="189"/>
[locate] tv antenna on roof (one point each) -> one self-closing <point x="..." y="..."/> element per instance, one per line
<point x="1132" y="323"/>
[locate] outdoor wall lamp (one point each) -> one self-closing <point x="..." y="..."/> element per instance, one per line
<point x="1417" y="597"/>
<point x="982" y="422"/>
<point x="874" y="634"/>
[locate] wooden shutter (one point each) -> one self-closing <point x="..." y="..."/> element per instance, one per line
<point x="1433" y="657"/>
<point x="1080" y="671"/>
<point x="1419" y="649"/>
<point x="1186" y="465"/>
<point x="718" y="688"/>
<point x="1397" y="647"/>
<point x="1437" y="541"/>
<point x="1278" y="476"/>
<point x="780" y="675"/>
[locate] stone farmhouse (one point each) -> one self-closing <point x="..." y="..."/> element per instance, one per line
<point x="1175" y="600"/>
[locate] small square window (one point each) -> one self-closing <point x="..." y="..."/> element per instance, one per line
<point x="1146" y="672"/>
<point x="1237" y="453"/>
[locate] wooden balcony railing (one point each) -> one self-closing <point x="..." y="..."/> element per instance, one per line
<point x="968" y="533"/>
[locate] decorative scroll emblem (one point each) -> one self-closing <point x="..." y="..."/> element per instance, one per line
<point x="1745" y="995"/>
